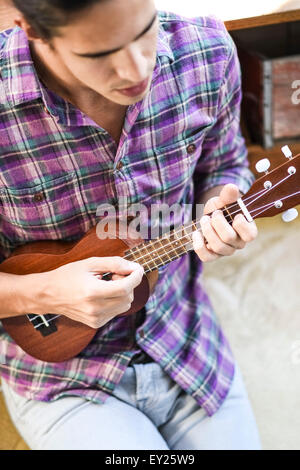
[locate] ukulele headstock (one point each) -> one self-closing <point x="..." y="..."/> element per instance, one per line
<point x="277" y="191"/>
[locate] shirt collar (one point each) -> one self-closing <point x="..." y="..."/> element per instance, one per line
<point x="17" y="70"/>
<point x="163" y="46"/>
<point x="19" y="75"/>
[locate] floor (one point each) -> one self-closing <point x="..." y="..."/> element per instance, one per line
<point x="256" y="296"/>
<point x="9" y="438"/>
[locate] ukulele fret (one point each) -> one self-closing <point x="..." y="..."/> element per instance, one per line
<point x="162" y="256"/>
<point x="140" y="253"/>
<point x="177" y="245"/>
<point x="163" y="250"/>
<point x="159" y="257"/>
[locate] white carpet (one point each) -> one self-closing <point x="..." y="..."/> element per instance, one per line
<point x="256" y="296"/>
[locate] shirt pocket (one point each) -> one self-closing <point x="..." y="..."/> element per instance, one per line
<point x="52" y="209"/>
<point x="176" y="164"/>
<point x="171" y="183"/>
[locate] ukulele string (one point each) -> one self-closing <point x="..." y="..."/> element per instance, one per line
<point x="256" y="196"/>
<point x="185" y="244"/>
<point x="268" y="190"/>
<point x="42" y="324"/>
<point x="266" y="207"/>
<point x="193" y="223"/>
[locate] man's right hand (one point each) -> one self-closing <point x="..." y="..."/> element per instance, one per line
<point x="77" y="291"/>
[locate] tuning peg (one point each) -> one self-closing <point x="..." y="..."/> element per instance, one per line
<point x="287" y="152"/>
<point x="289" y="215"/>
<point x="263" y="165"/>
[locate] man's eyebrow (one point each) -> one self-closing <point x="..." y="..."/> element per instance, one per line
<point x="100" y="54"/>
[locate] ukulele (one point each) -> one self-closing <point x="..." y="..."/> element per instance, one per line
<point x="56" y="338"/>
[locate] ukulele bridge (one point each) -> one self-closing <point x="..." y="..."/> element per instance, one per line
<point x="43" y="323"/>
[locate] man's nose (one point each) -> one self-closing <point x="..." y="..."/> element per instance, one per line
<point x="131" y="65"/>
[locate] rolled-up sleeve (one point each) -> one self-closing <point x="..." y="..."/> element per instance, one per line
<point x="224" y="153"/>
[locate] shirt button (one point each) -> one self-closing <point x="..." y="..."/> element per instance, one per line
<point x="119" y="165"/>
<point x="142" y="333"/>
<point x="191" y="149"/>
<point x="38" y="197"/>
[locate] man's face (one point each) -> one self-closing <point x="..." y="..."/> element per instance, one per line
<point x="127" y="27"/>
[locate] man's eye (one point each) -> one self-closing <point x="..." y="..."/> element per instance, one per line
<point x="138" y="39"/>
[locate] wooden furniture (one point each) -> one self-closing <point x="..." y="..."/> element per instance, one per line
<point x="264" y="20"/>
<point x="254" y="26"/>
<point x="270" y="62"/>
<point x="241" y="17"/>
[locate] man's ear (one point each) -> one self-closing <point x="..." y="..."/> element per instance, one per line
<point x="32" y="35"/>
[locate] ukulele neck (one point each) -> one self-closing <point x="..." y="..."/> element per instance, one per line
<point x="153" y="254"/>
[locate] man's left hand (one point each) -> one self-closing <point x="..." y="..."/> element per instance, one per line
<point x="221" y="238"/>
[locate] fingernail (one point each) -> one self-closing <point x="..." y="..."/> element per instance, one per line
<point x="216" y="213"/>
<point x="197" y="240"/>
<point x="134" y="265"/>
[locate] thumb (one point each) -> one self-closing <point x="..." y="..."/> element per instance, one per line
<point x="113" y="264"/>
<point x="230" y="193"/>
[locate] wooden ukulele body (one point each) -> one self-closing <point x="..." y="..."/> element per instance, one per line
<point x="71" y="337"/>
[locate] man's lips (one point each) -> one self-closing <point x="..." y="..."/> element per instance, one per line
<point x="135" y="90"/>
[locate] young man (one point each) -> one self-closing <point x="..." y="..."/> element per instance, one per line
<point x="103" y="100"/>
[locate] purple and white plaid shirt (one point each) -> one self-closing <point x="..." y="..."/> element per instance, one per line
<point x="57" y="166"/>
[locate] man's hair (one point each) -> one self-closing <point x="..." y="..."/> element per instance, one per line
<point x="45" y="16"/>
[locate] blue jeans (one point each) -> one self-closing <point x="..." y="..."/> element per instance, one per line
<point x="147" y="411"/>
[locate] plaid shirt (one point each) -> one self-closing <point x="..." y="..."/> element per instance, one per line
<point x="58" y="166"/>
